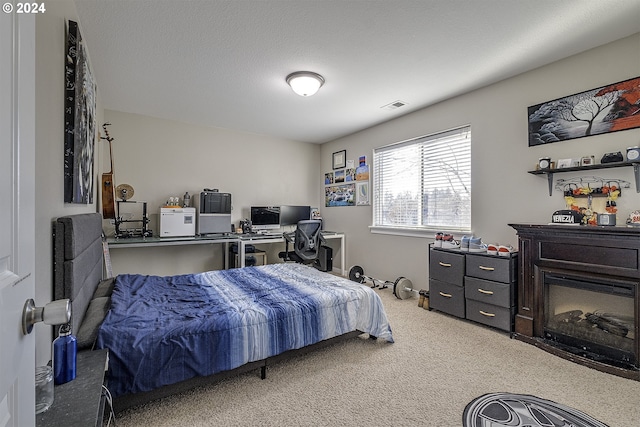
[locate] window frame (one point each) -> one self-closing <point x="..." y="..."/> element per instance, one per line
<point x="417" y="230"/>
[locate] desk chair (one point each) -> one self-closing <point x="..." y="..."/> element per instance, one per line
<point x="306" y="240"/>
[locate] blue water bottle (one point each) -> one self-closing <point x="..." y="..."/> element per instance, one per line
<point x="65" y="349"/>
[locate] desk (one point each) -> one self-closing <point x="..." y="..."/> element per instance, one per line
<point x="247" y="239"/>
<point x="240" y="239"/>
<point x="155" y="241"/>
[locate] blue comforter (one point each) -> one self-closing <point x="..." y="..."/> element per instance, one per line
<point x="162" y="330"/>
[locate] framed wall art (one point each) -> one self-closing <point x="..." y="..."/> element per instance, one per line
<point x="339" y="195"/>
<point x="610" y="108"/>
<point x="328" y="178"/>
<point x="350" y="174"/>
<point x="362" y="171"/>
<point x="362" y="193"/>
<point x="339" y="159"/>
<point x="79" y="120"/>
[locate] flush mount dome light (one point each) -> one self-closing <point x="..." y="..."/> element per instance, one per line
<point x="305" y="83"/>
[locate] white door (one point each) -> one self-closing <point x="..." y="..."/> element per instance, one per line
<point x="17" y="223"/>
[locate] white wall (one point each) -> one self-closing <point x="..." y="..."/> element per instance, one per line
<point x="163" y="158"/>
<point x="50" y="60"/>
<point x="503" y="191"/>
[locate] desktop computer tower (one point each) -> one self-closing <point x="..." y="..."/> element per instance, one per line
<point x="325" y="258"/>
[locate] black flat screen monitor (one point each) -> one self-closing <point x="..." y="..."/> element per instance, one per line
<point x="290" y="215"/>
<point x="265" y="217"/>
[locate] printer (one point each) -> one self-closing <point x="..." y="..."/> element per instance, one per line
<point x="214" y="212"/>
<point x="177" y="222"/>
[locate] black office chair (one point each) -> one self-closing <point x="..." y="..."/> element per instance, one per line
<point x="306" y="240"/>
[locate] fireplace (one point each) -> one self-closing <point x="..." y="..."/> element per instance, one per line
<point x="578" y="294"/>
<point x="593" y="319"/>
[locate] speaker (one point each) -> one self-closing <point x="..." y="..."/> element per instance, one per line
<point x="246" y="226"/>
<point x="325" y="258"/>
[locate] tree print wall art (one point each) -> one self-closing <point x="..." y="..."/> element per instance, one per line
<point x="606" y="109"/>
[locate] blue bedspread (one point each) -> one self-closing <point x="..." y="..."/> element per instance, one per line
<point x="162" y="330"/>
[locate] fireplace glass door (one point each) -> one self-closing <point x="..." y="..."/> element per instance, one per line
<point x="591" y="317"/>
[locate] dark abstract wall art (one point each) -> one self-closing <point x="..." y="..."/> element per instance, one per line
<point x="606" y="109"/>
<point x="80" y="120"/>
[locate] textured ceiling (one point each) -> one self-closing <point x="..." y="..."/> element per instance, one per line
<point x="223" y="63"/>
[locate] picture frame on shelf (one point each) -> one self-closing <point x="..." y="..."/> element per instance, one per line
<point x="564" y="163"/>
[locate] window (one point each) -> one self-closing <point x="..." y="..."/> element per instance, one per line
<point x="424" y="183"/>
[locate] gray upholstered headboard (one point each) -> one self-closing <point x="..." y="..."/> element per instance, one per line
<point x="77" y="261"/>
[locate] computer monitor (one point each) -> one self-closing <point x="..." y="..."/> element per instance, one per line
<point x="290" y="215"/>
<point x="265" y="217"/>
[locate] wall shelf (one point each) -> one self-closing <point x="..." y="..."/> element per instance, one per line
<point x="549" y="172"/>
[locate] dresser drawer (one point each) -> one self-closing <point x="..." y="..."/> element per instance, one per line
<point x="446" y="266"/>
<point x="491" y="268"/>
<point x="446" y="297"/>
<point x="494" y="293"/>
<point x="490" y="315"/>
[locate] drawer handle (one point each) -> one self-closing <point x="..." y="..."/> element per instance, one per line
<point x="484" y="313"/>
<point x="482" y="267"/>
<point x="444" y="264"/>
<point x="482" y="291"/>
<point x="445" y="295"/>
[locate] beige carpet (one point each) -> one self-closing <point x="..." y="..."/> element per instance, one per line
<point x="437" y="365"/>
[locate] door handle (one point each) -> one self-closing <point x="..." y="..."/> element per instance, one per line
<point x="484" y="313"/>
<point x="482" y="267"/>
<point x="482" y="291"/>
<point x="445" y="295"/>
<point x="444" y="264"/>
<point x="54" y="313"/>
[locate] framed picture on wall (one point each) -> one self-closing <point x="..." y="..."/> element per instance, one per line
<point x="605" y="109"/>
<point x="79" y="120"/>
<point x="350" y="174"/>
<point x="339" y="159"/>
<point x="339" y="195"/>
<point x="362" y="193"/>
<point x="328" y="178"/>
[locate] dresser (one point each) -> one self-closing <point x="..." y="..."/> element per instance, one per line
<point x="474" y="286"/>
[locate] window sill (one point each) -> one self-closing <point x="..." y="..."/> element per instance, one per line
<point x="414" y="232"/>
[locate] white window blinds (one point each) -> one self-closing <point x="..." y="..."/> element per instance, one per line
<point x="424" y="182"/>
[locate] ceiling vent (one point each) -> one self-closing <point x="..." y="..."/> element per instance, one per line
<point x="394" y="105"/>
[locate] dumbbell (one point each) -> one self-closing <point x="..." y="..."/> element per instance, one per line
<point x="402" y="287"/>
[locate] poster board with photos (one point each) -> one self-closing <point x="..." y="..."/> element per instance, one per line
<point x="347" y="185"/>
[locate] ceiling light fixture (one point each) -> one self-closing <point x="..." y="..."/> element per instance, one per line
<point x="305" y="83"/>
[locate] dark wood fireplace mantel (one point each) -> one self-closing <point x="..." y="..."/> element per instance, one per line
<point x="590" y="251"/>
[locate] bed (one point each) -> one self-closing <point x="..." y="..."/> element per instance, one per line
<point x="165" y="334"/>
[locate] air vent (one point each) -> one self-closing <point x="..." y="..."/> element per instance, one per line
<point x="394" y="105"/>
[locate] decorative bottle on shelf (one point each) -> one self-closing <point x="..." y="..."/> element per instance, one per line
<point x="65" y="349"/>
<point x="186" y="200"/>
